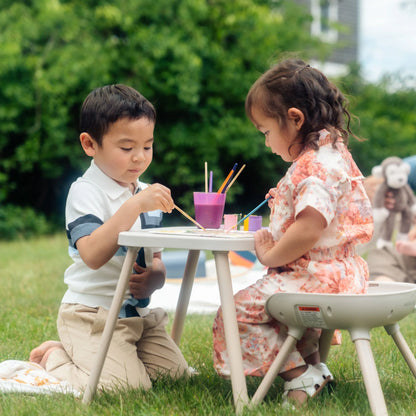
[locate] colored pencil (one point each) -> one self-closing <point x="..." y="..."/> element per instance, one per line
<point x="189" y="217"/>
<point x="227" y="179"/>
<point x="235" y="177"/>
<point x="251" y="212"/>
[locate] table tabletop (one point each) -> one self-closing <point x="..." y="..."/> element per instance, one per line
<point x="190" y="238"/>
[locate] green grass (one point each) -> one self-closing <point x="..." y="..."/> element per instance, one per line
<point x="31" y="278"/>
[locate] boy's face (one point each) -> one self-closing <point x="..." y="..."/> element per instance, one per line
<point x="126" y="150"/>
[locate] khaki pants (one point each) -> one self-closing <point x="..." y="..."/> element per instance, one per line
<point x="139" y="351"/>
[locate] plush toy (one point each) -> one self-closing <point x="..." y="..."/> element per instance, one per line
<point x="395" y="172"/>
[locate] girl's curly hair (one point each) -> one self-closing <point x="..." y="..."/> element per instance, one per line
<point x="293" y="83"/>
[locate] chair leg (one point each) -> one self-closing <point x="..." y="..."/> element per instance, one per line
<point x="325" y="344"/>
<point x="370" y="375"/>
<point x="287" y="347"/>
<point x="394" y="332"/>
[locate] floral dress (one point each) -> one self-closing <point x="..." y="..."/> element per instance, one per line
<point x="329" y="181"/>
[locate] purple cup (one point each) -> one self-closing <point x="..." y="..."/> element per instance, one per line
<point x="254" y="222"/>
<point x="209" y="208"/>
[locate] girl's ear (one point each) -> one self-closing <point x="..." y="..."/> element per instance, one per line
<point x="296" y="116"/>
<point x="88" y="144"/>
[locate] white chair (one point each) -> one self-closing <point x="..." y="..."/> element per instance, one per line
<point x="385" y="304"/>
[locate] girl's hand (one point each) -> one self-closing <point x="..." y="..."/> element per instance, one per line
<point x="299" y="238"/>
<point x="272" y="194"/>
<point x="154" y="197"/>
<point x="264" y="243"/>
<point x="146" y="281"/>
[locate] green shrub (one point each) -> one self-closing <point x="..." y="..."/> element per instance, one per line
<point x="21" y="222"/>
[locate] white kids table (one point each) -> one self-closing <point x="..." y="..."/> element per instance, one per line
<point x="194" y="240"/>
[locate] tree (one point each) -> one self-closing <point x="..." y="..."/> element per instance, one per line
<point x="194" y="59"/>
<point x="386" y="118"/>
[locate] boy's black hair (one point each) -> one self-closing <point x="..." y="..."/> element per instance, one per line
<point x="105" y="105"/>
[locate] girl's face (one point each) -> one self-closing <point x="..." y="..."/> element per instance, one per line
<point x="280" y="139"/>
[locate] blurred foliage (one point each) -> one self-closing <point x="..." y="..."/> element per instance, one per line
<point x="194" y="60"/>
<point x="386" y="118"/>
<point x="21" y="222"/>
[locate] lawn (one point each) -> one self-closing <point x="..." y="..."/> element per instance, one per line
<point x="31" y="277"/>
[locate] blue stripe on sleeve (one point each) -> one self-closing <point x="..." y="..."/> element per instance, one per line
<point x="81" y="227"/>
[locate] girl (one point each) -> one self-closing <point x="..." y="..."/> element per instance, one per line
<point x="319" y="212"/>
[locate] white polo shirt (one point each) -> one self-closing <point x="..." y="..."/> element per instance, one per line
<point x="92" y="200"/>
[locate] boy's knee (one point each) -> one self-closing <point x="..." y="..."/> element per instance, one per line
<point x="174" y="369"/>
<point x="123" y="369"/>
<point x="130" y="381"/>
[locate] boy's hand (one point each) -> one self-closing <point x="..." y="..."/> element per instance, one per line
<point x="154" y="197"/>
<point x="146" y="281"/>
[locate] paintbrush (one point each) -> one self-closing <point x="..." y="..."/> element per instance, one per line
<point x="189" y="217"/>
<point x="235" y="177"/>
<point x="227" y="179"/>
<point x="251" y="212"/>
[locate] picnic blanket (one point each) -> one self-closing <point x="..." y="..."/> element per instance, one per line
<point x="27" y="377"/>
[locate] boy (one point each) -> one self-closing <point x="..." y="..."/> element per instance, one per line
<point x="117" y="125"/>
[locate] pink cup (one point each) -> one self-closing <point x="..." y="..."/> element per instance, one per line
<point x="230" y="220"/>
<point x="209" y="208"/>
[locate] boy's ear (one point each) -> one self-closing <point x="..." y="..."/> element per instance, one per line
<point x="88" y="144"/>
<point x="296" y="116"/>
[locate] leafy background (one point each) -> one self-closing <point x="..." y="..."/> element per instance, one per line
<point x="195" y="60"/>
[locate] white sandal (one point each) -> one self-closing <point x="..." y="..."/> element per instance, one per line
<point x="326" y="374"/>
<point x="311" y="382"/>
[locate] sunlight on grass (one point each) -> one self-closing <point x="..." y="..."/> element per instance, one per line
<point x="31" y="276"/>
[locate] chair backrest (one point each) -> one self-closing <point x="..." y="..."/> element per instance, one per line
<point x="385" y="303"/>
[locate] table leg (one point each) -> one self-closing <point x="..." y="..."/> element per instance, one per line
<point x="110" y="324"/>
<point x="232" y="337"/>
<point x="184" y="295"/>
